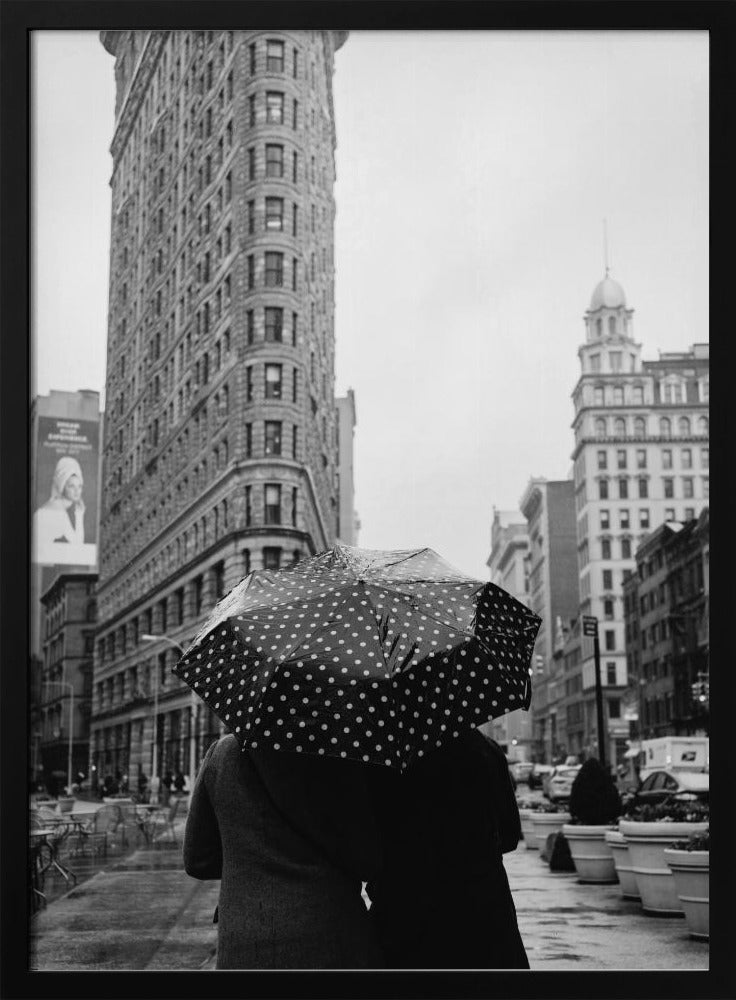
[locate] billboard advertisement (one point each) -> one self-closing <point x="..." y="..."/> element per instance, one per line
<point x="64" y="530"/>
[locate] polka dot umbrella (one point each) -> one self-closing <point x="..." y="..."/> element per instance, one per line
<point x="373" y="655"/>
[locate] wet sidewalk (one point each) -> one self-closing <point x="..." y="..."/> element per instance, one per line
<point x="144" y="912"/>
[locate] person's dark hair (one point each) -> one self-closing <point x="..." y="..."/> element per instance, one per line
<point x="594" y="799"/>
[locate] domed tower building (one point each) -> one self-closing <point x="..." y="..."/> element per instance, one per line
<point x="220" y="441"/>
<point x="640" y="459"/>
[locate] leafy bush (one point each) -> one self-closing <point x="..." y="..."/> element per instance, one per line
<point x="594" y="798"/>
<point x="695" y="842"/>
<point x="672" y="810"/>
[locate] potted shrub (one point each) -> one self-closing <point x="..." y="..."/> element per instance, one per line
<point x="689" y="862"/>
<point x="595" y="806"/>
<point x="527" y="808"/>
<point x="547" y="818"/>
<point x="648" y="831"/>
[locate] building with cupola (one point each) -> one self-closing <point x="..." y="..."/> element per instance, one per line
<point x="640" y="459"/>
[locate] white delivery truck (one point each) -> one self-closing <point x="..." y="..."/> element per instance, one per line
<point x="674" y="753"/>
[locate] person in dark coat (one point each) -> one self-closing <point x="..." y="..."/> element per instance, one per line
<point x="291" y="836"/>
<point x="442" y="900"/>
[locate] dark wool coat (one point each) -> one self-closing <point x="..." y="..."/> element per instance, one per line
<point x="291" y="836"/>
<point x="442" y="900"/>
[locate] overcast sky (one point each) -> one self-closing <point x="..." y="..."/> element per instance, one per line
<point x="474" y="170"/>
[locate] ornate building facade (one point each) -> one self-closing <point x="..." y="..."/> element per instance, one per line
<point x="220" y="445"/>
<point x="640" y="458"/>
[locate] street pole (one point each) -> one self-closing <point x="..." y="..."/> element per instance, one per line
<point x="590" y="628"/>
<point x="71" y="740"/>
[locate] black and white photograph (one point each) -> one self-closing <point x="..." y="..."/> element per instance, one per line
<point x="369" y="500"/>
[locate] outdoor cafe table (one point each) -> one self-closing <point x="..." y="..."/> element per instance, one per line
<point x="40" y="844"/>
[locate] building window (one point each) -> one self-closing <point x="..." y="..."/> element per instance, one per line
<point x="602" y="460"/>
<point x="611" y="675"/>
<point x="274" y="107"/>
<point x="704" y="457"/>
<point x="600" y="427"/>
<point x="274" y="160"/>
<point x="252" y="54"/>
<point x="295" y="114"/>
<point x="618" y="395"/>
<point x="608" y="579"/>
<point x="669" y="513"/>
<point x="683" y="426"/>
<point x="606" y="548"/>
<point x="623" y="489"/>
<point x="272" y="503"/>
<point x="595" y="363"/>
<point x="275" y="214"/>
<point x="274" y="56"/>
<point x="665" y="427"/>
<point x="605" y="519"/>
<point x="610" y="639"/>
<point x="638" y="395"/>
<point x="626" y="548"/>
<point x="252" y="110"/>
<point x="248" y="507"/>
<point x="643" y="489"/>
<point x="687" y="458"/>
<point x="640" y="427"/>
<point x="251" y="271"/>
<point x="603" y="489"/>
<point x="273" y="437"/>
<point x="703" y="426"/>
<point x="294" y="493"/>
<point x="251" y="163"/>
<point x="295" y="385"/>
<point x="271" y="558"/>
<point x="274" y="270"/>
<point x="668" y="487"/>
<point x="688" y="490"/>
<point x="249" y="384"/>
<point x="624" y="519"/>
<point x="641" y="458"/>
<point x="614" y="706"/>
<point x="251" y="224"/>
<point x="689" y="513"/>
<point x="274" y="324"/>
<point x="621" y="458"/>
<point x="608" y="609"/>
<point x="250" y="326"/>
<point x="249" y="440"/>
<point x="666" y="458"/>
<point x="294" y="442"/>
<point x="598" y="395"/>
<point x="644" y="517"/>
<point x="619" y="427"/>
<point x="273" y="381"/>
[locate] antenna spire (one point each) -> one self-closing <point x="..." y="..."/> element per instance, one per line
<point x="605" y="246"/>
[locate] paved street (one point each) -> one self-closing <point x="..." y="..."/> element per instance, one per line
<point x="143" y="912"/>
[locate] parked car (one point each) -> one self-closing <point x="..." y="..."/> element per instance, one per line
<point x="521" y="769"/>
<point x="537" y="773"/>
<point x="558" y="784"/>
<point x="659" y="785"/>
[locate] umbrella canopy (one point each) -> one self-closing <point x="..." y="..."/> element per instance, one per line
<point x="371" y="655"/>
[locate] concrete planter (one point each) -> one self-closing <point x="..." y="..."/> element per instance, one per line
<point x="66" y="803"/>
<point x="691" y="873"/>
<point x="527" y="829"/>
<point x="545" y="823"/>
<point x="620" y="851"/>
<point x="591" y="852"/>
<point x="646" y="843"/>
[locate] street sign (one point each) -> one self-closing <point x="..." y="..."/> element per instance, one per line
<point x="590" y="625"/>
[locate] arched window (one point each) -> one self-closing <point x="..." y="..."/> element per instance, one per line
<point x="640" y="427"/>
<point x="703" y="425"/>
<point x="638" y="394"/>
<point x="600" y="427"/>
<point x="619" y="427"/>
<point x="611" y="324"/>
<point x="665" y="427"/>
<point x="598" y="395"/>
<point x="683" y="426"/>
<point x="598" y="327"/>
<point x="618" y="395"/>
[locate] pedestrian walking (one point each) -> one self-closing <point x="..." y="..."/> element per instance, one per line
<point x="442" y="899"/>
<point x="291" y="837"/>
<point x="349" y="658"/>
<point x="179" y="783"/>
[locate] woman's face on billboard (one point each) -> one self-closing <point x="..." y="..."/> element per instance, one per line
<point x="73" y="489"/>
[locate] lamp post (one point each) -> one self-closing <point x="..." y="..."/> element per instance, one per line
<point x="147" y="637"/>
<point x="70" y="749"/>
<point x="590" y="628"/>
